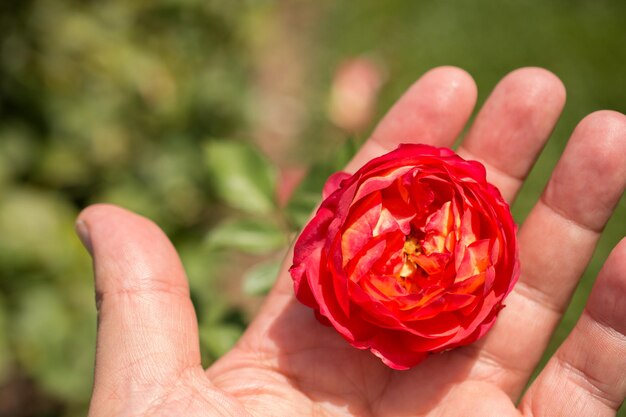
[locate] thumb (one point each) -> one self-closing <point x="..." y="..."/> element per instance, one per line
<point x="147" y="327"/>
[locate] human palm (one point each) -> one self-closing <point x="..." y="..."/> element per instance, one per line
<point x="287" y="364"/>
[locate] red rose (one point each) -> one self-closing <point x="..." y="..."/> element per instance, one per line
<point x="412" y="254"/>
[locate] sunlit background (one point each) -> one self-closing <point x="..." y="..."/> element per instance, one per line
<point x="204" y="114"/>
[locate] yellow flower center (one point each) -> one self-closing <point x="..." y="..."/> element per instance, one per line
<point x="411" y="248"/>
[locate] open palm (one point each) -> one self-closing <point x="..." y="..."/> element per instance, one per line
<point x="287" y="364"/>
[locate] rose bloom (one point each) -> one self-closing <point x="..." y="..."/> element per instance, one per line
<point x="411" y="255"/>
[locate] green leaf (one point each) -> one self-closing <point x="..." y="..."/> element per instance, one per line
<point x="241" y="176"/>
<point x="251" y="236"/>
<point x="308" y="194"/>
<point x="40" y="226"/>
<point x="54" y="342"/>
<point x="219" y="339"/>
<point x="259" y="279"/>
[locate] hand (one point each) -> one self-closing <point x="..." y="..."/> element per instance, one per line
<point x="287" y="364"/>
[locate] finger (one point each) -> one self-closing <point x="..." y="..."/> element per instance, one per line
<point x="513" y="126"/>
<point x="433" y="111"/>
<point x="556" y="244"/>
<point x="147" y="331"/>
<point x="587" y="374"/>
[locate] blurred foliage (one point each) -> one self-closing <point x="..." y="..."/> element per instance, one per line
<point x="150" y="105"/>
<point x="248" y="236"/>
<point x="241" y="176"/>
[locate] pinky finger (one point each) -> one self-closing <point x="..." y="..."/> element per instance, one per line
<point x="587" y="374"/>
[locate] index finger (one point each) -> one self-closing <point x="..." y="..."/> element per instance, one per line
<point x="433" y="111"/>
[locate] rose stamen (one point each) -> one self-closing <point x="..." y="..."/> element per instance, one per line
<point x="411" y="272"/>
<point x="412" y="246"/>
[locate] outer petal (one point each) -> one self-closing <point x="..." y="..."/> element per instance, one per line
<point x="333" y="183"/>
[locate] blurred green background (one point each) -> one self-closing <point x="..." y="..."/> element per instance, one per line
<point x="200" y="113"/>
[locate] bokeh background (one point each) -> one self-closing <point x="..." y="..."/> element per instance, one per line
<point x="204" y="114"/>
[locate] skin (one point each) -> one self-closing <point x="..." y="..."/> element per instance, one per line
<point x="287" y="364"/>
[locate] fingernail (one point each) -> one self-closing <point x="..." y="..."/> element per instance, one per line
<point x="83" y="233"/>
